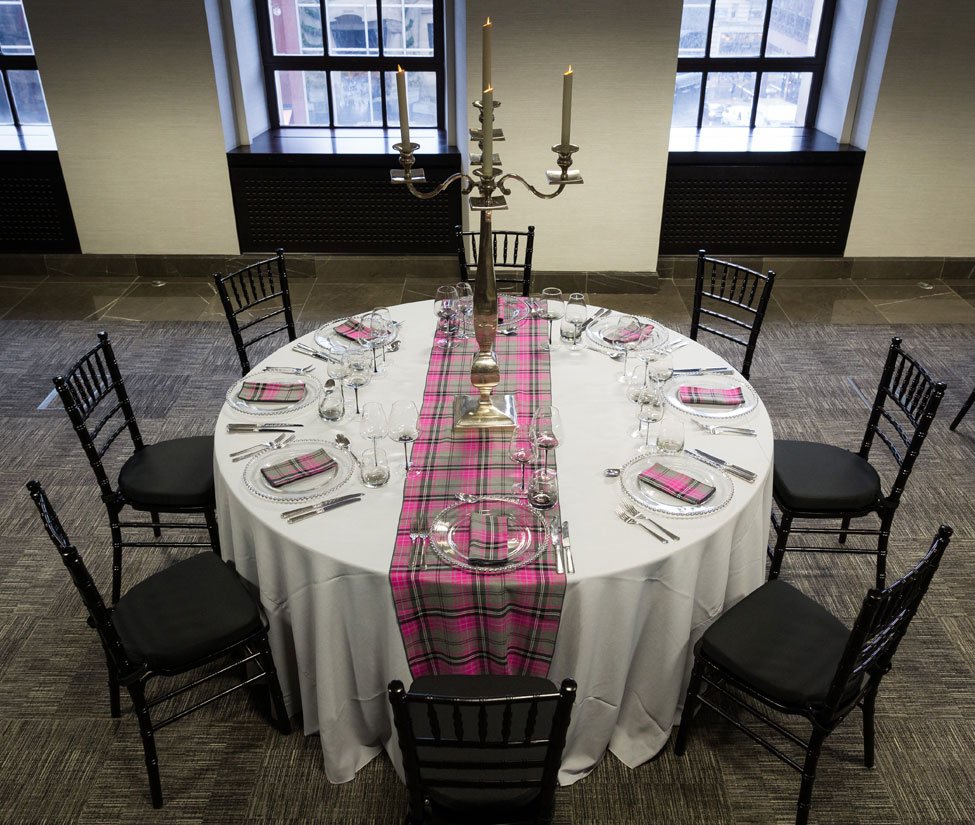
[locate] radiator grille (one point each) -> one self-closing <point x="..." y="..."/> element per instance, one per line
<point x="33" y="212"/>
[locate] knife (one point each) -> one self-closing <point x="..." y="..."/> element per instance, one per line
<point x="704" y="371"/>
<point x="287" y="514"/>
<point x="324" y="507"/>
<point x="570" y="565"/>
<point x="261" y="430"/>
<point x="304" y="349"/>
<point x="559" y="563"/>
<point x="245" y="427"/>
<point x="734" y="469"/>
<point x="600" y="314"/>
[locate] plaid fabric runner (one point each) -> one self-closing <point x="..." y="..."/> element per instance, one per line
<point x="301" y="466"/>
<point x="677" y="484"/>
<point x="708" y="395"/>
<point x="488" y="540"/>
<point x="627" y="335"/>
<point x="453" y="620"/>
<point x="271" y="391"/>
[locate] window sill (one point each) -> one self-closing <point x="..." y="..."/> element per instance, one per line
<point x="343" y="142"/>
<point x="27" y="139"/>
<point x="762" y="141"/>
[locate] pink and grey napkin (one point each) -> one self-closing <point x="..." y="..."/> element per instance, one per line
<point x="488" y="543"/>
<point x="302" y="466"/>
<point x="678" y="485"/>
<point x="708" y="395"/>
<point x="271" y="391"/>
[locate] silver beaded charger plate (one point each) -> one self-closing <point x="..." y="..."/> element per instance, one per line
<point x="645" y="495"/>
<point x="304" y="489"/>
<point x="597" y="333"/>
<point x="529" y="533"/>
<point x="329" y="339"/>
<point x="717" y="412"/>
<point x="312" y="390"/>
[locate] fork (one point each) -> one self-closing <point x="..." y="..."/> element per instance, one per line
<point x="632" y="511"/>
<point x="419" y="532"/>
<point x="724" y="429"/>
<point x="625" y="517"/>
<point x="291" y="370"/>
<point x="278" y="442"/>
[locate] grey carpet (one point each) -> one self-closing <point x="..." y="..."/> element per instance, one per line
<point x="64" y="759"/>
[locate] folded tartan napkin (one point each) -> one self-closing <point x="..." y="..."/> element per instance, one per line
<point x="271" y="391"/>
<point x="302" y="466"/>
<point x="629" y="333"/>
<point x="488" y="539"/>
<point x="709" y="395"/>
<point x="352" y="329"/>
<point x="677" y="484"/>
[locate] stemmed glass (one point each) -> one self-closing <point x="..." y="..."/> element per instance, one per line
<point x="554" y="308"/>
<point x="626" y="334"/>
<point x="546" y="430"/>
<point x="465" y="308"/>
<point x="650" y="412"/>
<point x="576" y="314"/>
<point x="404" y="428"/>
<point x="523" y="450"/>
<point x="372" y="425"/>
<point x="358" y="370"/>
<point x="660" y="366"/>
<point x="376" y="327"/>
<point x="445" y="305"/>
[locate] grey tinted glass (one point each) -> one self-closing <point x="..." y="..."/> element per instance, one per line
<point x="28" y="97"/>
<point x="687" y="98"/>
<point x="14" y="36"/>
<point x="302" y="98"/>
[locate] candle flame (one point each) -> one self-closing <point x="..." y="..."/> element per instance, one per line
<point x="488" y="89"/>
<point x="570" y="70"/>
<point x="399" y="68"/>
<point x="488" y="22"/>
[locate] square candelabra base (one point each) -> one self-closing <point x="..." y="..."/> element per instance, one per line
<point x="470" y="415"/>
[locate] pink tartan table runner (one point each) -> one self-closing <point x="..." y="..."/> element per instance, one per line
<point x="452" y="620"/>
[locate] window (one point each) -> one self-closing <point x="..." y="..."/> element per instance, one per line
<point x="21" y="96"/>
<point x="751" y="62"/>
<point x="342" y="73"/>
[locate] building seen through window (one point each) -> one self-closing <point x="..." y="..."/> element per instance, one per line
<point x="21" y="95"/>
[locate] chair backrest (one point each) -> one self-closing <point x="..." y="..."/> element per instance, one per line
<point x="91" y="380"/>
<point x="882" y="623"/>
<point x="915" y="396"/>
<point x="726" y="285"/>
<point x="512" y="256"/>
<point x="99" y="616"/>
<point x="264" y="285"/>
<point x="474" y="742"/>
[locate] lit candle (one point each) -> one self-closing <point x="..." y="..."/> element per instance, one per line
<point x="566" y="107"/>
<point x="487" y="144"/>
<point x="404" y="119"/>
<point x="486" y="54"/>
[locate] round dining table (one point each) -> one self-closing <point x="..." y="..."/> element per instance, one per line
<point x="632" y="610"/>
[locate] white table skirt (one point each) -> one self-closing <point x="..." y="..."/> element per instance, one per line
<point x="631" y="614"/>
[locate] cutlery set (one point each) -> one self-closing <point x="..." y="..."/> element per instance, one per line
<point x="272" y="427"/>
<point x="305" y="349"/>
<point x="721" y="464"/>
<point x="250" y="452"/>
<point x="301" y="513"/>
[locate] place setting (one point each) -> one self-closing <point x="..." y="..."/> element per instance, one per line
<point x="257" y="395"/>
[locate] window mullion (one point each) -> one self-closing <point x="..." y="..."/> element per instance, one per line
<point x="380" y="44"/>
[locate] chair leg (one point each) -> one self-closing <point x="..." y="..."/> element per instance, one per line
<point x="114" y="702"/>
<point x="868" y="738"/>
<point x="148" y="742"/>
<point x="691" y="703"/>
<point x="882" y="552"/>
<point x="211" y="519"/>
<point x="961" y="413"/>
<point x="809" y="776"/>
<point x="155" y="524"/>
<point x="778" y="553"/>
<point x="281" y="720"/>
<point x="116" y="557"/>
<point x="843" y="528"/>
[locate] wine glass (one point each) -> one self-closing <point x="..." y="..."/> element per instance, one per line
<point x="626" y="333"/>
<point x="649" y="412"/>
<point x="465" y="309"/>
<point x="376" y="327"/>
<point x="358" y="370"/>
<point x="661" y="366"/>
<point x="372" y="424"/>
<point x="523" y="450"/>
<point x="445" y="306"/>
<point x="546" y="430"/>
<point x="543" y="490"/>
<point x="404" y="428"/>
<point x="576" y="314"/>
<point x="553" y="305"/>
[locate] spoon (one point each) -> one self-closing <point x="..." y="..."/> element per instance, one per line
<point x="394" y="347"/>
<point x="611" y="472"/>
<point x="466" y="498"/>
<point x="345" y="444"/>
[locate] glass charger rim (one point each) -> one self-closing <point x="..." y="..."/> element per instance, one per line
<point x="526" y="558"/>
<point x="323" y="340"/>
<point x="522" y="303"/>
<point x="604" y="346"/>
<point x="683" y="510"/>
<point x="718" y="412"/>
<point x="346" y="459"/>
<point x="276" y="409"/>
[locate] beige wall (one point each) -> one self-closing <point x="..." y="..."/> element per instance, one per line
<point x="623" y="59"/>
<point x="917" y="192"/>
<point x="133" y="101"/>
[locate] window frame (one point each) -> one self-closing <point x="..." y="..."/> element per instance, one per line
<point x="18" y="62"/>
<point x="328" y="63"/>
<point x="761" y="64"/>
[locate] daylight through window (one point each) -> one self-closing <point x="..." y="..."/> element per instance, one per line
<point x="21" y="95"/>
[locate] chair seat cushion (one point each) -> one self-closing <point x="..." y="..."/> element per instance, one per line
<point x="185" y="613"/>
<point x="176" y="473"/>
<point x="781" y="643"/>
<point x="814" y="477"/>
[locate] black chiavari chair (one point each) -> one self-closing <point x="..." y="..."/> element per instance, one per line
<point x="512" y="257"/>
<point x="961" y="413"/>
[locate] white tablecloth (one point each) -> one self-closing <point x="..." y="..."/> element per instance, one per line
<point x="631" y="614"/>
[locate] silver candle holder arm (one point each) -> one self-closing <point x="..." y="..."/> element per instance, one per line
<point x="561" y="179"/>
<point x="411" y="176"/>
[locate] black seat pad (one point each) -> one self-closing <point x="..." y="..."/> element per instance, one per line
<point x="176" y="473"/>
<point x="780" y="642"/>
<point x="817" y="477"/>
<point x="185" y="613"/>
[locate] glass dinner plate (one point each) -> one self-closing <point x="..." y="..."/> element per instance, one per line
<point x="654" y="499"/>
<point x="515" y="310"/>
<point x="597" y="331"/>
<point x="717" y="382"/>
<point x="328" y="339"/>
<point x="529" y="533"/>
<point x="306" y="488"/>
<point x="312" y="390"/>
